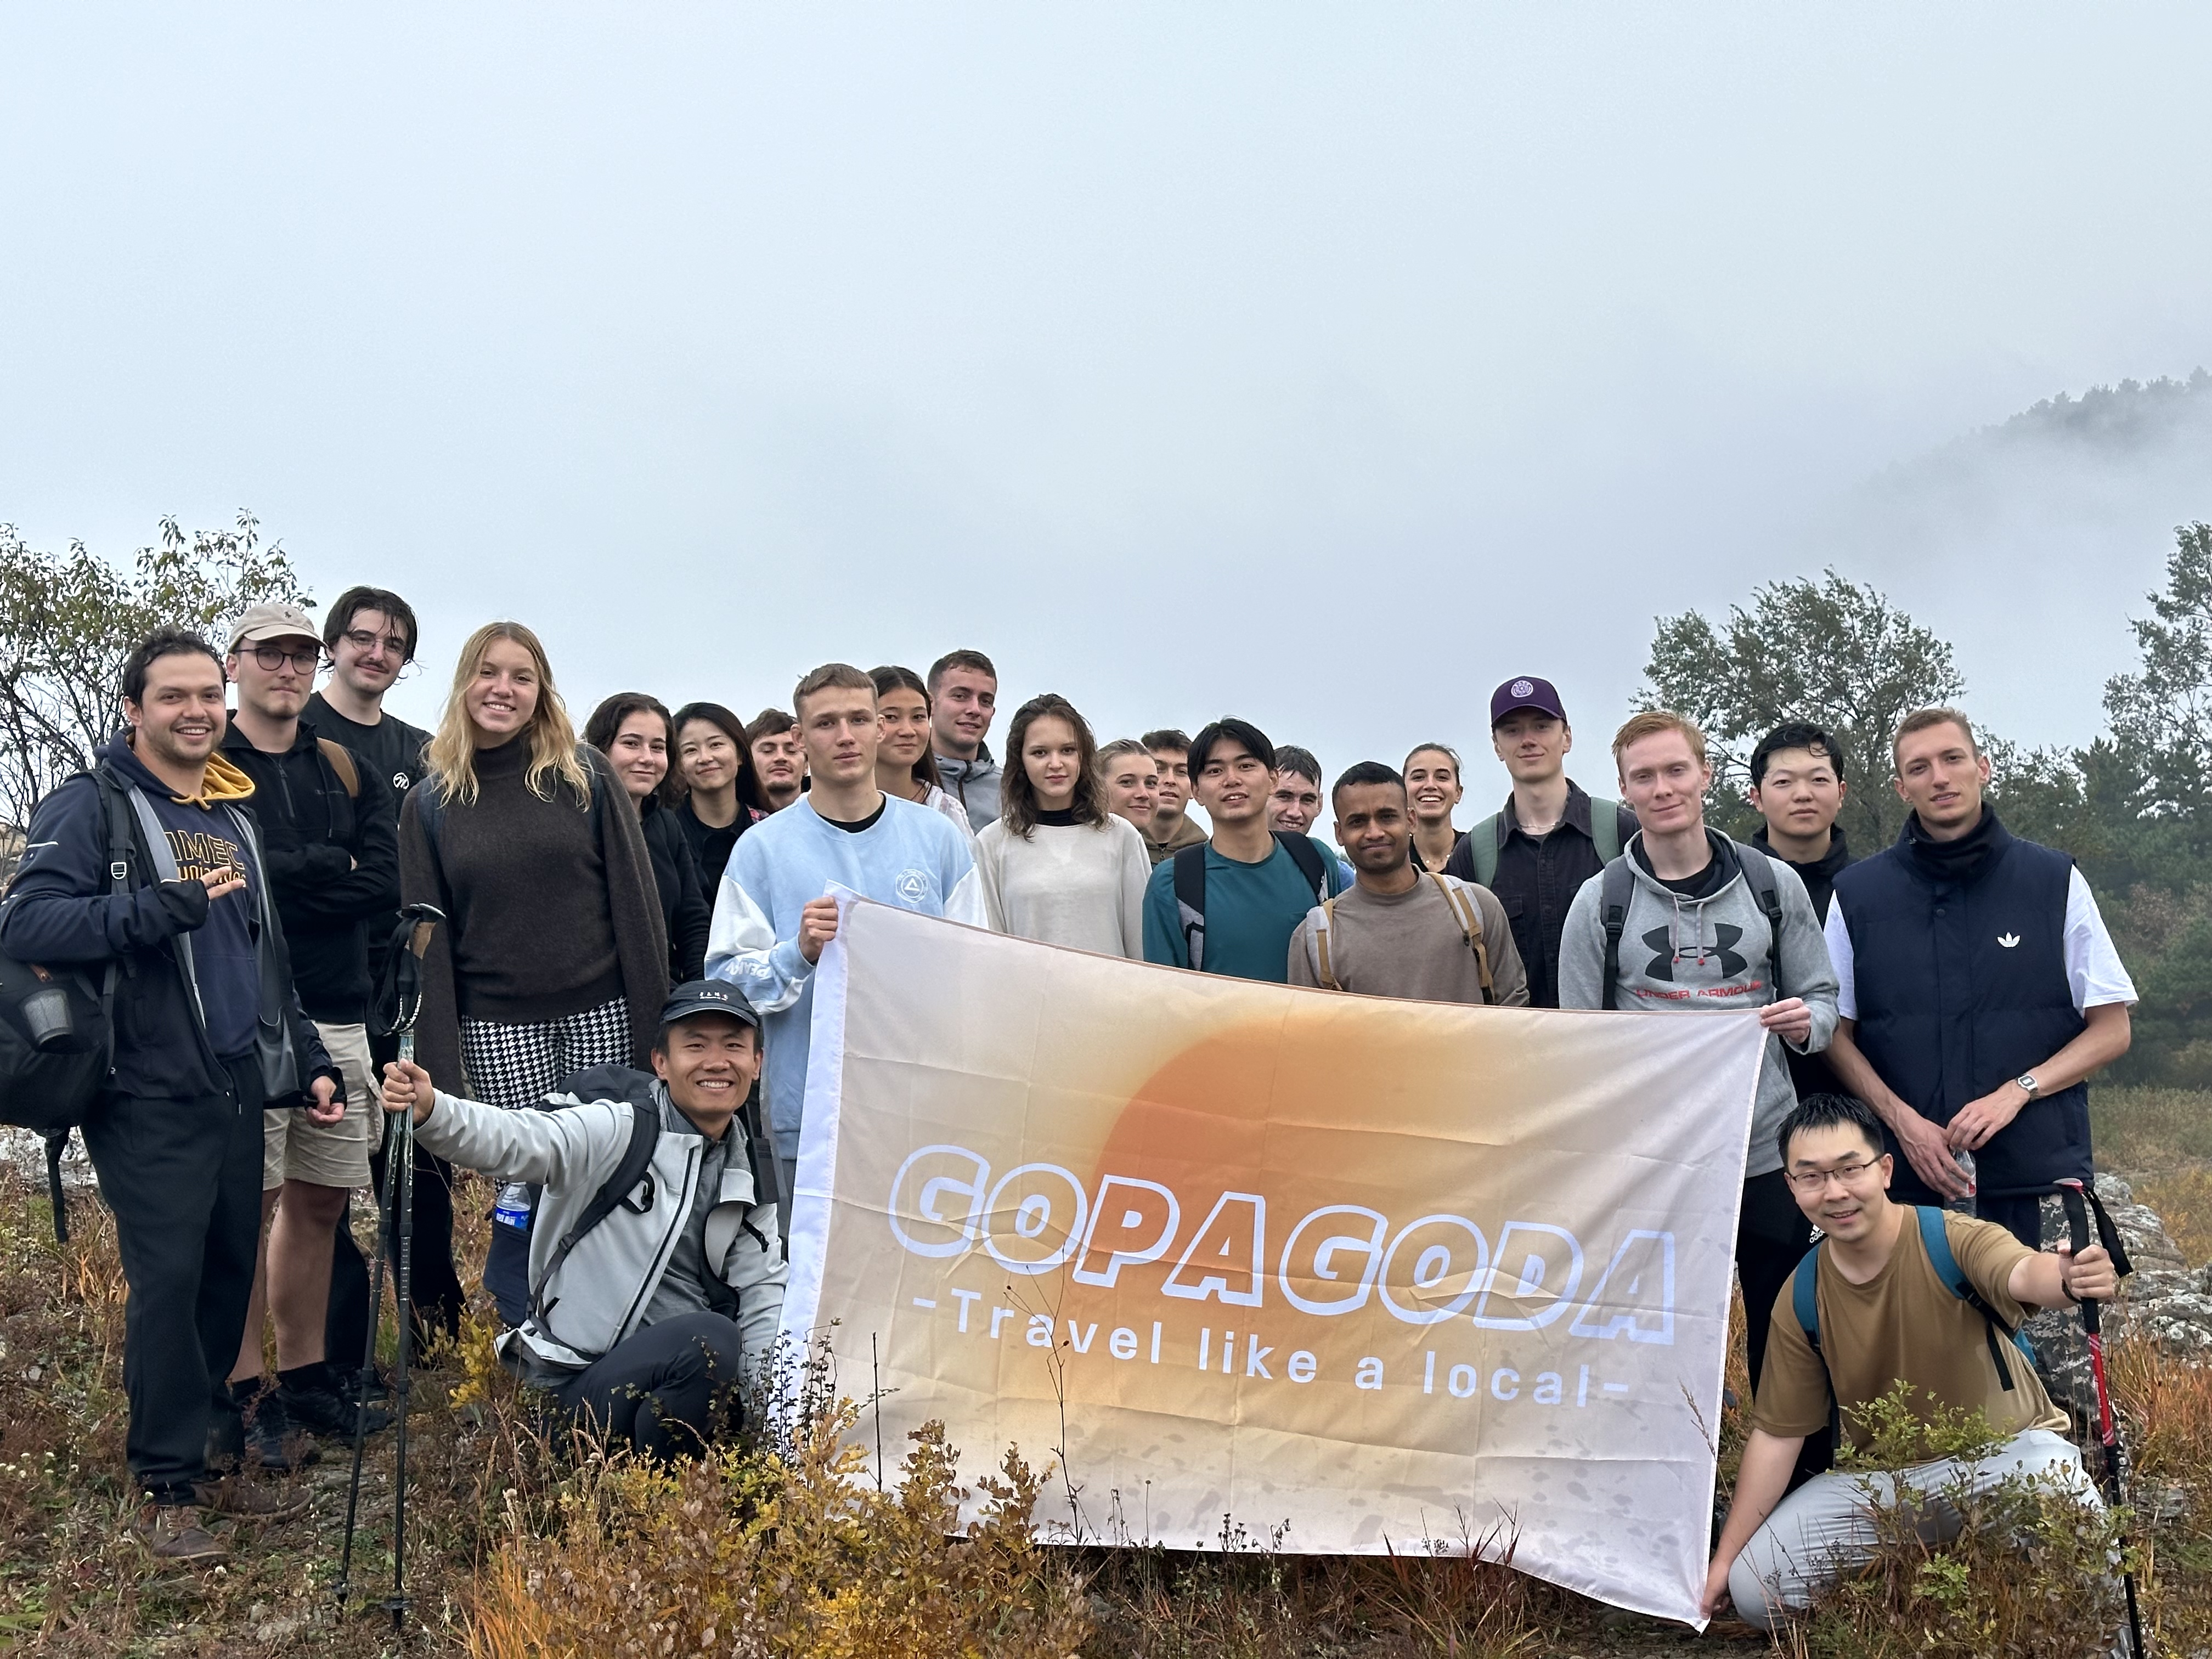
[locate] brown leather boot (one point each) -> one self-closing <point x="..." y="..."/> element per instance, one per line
<point x="172" y="1531"/>
<point x="252" y="1500"/>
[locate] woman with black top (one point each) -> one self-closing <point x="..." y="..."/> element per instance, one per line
<point x="632" y="731"/>
<point x="553" y="956"/>
<point x="904" y="765"/>
<point x="721" y="792"/>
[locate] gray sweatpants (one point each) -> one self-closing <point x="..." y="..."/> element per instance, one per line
<point x="1825" y="1529"/>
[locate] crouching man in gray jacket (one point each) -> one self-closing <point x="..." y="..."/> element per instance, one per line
<point x="652" y="1319"/>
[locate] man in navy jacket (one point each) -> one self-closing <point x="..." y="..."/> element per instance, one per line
<point x="1979" y="989"/>
<point x="208" y="1032"/>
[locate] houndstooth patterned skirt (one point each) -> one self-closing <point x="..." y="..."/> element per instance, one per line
<point x="514" y="1065"/>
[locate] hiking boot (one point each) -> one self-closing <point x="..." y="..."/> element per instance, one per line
<point x="172" y="1532"/>
<point x="270" y="1440"/>
<point x="320" y="1409"/>
<point x="253" y="1500"/>
<point x="348" y="1386"/>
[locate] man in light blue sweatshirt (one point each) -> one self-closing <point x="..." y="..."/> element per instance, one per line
<point x="773" y="915"/>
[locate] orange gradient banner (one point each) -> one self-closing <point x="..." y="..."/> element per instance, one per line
<point x="1362" y="1274"/>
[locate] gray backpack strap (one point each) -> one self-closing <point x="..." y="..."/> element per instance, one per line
<point x="1759" y="876"/>
<point x="272" y="1037"/>
<point x="1482" y="848"/>
<point x="157" y="840"/>
<point x="1619" y="887"/>
<point x="1605" y="828"/>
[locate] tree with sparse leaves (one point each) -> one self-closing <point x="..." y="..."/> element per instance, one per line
<point x="1832" y="652"/>
<point x="2161" y="716"/>
<point x="2134" y="808"/>
<point x="67" y="622"/>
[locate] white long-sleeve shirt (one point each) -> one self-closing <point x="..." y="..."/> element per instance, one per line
<point x="910" y="857"/>
<point x="1079" y="884"/>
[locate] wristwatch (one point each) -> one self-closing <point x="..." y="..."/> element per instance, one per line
<point x="2026" y="1082"/>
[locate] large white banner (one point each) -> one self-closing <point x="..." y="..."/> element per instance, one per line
<point x="1382" y="1275"/>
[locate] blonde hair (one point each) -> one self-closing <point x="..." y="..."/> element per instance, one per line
<point x="553" y="751"/>
<point x="1653" y="721"/>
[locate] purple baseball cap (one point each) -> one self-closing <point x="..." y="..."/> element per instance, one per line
<point x="1526" y="691"/>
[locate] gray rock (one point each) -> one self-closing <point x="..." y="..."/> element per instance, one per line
<point x="2164" y="1300"/>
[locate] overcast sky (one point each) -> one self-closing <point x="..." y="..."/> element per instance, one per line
<point x="1324" y="364"/>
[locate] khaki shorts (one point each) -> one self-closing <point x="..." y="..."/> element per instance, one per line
<point x="294" y="1149"/>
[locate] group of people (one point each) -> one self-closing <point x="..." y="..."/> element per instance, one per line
<point x="632" y="922"/>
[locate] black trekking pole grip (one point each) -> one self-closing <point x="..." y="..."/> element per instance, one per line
<point x="2076" y="1205"/>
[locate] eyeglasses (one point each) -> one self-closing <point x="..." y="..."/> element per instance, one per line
<point x="274" y="657"/>
<point x="1816" y="1181"/>
<point x="365" y="640"/>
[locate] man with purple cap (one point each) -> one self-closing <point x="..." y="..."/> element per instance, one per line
<point x="1548" y="839"/>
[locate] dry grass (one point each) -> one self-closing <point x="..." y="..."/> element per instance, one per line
<point x="2151" y="1131"/>
<point x="523" y="1544"/>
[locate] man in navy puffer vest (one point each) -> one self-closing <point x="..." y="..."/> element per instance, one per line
<point x="1979" y="989"/>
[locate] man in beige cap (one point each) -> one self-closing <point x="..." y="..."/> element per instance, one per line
<point x="327" y="825"/>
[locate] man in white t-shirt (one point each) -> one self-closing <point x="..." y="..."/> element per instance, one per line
<point x="1979" y="989"/>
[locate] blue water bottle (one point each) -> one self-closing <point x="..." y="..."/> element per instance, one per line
<point x="512" y="1207"/>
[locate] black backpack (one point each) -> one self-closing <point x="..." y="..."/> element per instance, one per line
<point x="57" y="1029"/>
<point x="1190" y="886"/>
<point x="1620" y="886"/>
<point x="631" y="1185"/>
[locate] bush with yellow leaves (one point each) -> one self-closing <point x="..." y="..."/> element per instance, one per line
<point x="789" y="1551"/>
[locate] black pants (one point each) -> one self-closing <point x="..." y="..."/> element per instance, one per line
<point x="184" y="1179"/>
<point x="1772" y="1238"/>
<point x="664" y="1389"/>
<point x="435" y="1284"/>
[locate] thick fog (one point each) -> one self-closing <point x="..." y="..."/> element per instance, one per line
<point x="1320" y="363"/>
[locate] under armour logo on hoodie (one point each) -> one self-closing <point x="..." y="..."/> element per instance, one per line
<point x="1665" y="955"/>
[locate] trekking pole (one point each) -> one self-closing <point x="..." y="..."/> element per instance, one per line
<point x="368" y="1351"/>
<point x="2074" y="1196"/>
<point x="398" y="1004"/>
<point x="403" y="1299"/>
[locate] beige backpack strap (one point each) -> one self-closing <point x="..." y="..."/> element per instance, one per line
<point x="1327" y="910"/>
<point x="341" y="762"/>
<point x="1470" y="924"/>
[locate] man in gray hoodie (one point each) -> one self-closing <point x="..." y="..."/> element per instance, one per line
<point x="1701" y="923"/>
<point x="963" y="695"/>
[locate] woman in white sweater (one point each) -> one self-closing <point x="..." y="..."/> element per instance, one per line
<point x="1056" y="865"/>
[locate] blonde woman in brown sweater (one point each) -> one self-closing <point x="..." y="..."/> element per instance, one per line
<point x="554" y="955"/>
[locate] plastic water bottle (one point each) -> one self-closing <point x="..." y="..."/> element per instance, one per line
<point x="1965" y="1162"/>
<point x="512" y="1207"/>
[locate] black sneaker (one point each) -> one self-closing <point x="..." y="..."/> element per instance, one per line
<point x="378" y="1392"/>
<point x="271" y="1441"/>
<point x="323" y="1411"/>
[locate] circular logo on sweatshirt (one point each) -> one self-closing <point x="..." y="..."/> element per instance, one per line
<point x="1522" y="688"/>
<point x="912" y="886"/>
